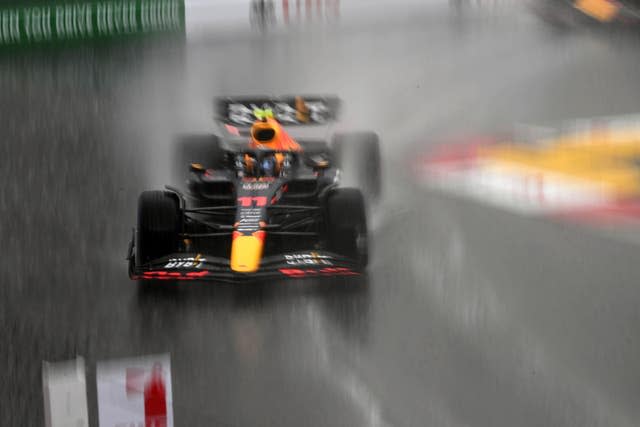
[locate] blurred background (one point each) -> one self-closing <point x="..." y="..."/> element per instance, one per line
<point x="503" y="289"/>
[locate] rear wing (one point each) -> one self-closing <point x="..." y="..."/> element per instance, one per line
<point x="288" y="110"/>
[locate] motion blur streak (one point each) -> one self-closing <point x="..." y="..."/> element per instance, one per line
<point x="469" y="315"/>
<point x="585" y="171"/>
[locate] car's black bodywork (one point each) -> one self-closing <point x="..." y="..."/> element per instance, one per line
<point x="234" y="224"/>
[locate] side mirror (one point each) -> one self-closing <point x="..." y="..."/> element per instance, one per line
<point x="197" y="168"/>
<point x="318" y="162"/>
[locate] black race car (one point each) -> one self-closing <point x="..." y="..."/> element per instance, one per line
<point x="250" y="211"/>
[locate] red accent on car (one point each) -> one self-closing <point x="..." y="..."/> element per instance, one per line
<point x="292" y="272"/>
<point x="173" y="275"/>
<point x="245" y="202"/>
<point x="232" y="130"/>
<point x="309" y="272"/>
<point x="202" y="273"/>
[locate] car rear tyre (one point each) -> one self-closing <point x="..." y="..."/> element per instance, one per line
<point x="357" y="154"/>
<point x="347" y="225"/>
<point x="159" y="225"/>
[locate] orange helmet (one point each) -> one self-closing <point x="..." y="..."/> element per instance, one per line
<point x="267" y="133"/>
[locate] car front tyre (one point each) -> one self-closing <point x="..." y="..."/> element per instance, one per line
<point x="347" y="225"/>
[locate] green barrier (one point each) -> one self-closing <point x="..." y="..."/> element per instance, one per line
<point x="62" y="21"/>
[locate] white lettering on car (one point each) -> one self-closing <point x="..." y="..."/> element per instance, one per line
<point x="312" y="258"/>
<point x="196" y="262"/>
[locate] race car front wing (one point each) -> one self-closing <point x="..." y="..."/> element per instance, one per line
<point x="193" y="266"/>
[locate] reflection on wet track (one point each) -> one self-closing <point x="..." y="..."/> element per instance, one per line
<point x="469" y="316"/>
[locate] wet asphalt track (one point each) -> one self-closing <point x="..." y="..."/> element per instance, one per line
<point x="470" y="316"/>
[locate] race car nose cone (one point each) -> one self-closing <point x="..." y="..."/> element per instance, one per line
<point x="246" y="252"/>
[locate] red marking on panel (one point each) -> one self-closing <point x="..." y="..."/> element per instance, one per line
<point x="134" y="382"/>
<point x="460" y="151"/>
<point x="155" y="399"/>
<point x="616" y="212"/>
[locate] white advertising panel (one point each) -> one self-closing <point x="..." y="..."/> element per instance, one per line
<point x="135" y="392"/>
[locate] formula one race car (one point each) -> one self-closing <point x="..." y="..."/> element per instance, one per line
<point x="260" y="203"/>
<point x="588" y="13"/>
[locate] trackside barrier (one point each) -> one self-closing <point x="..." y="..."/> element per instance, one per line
<point x="65" y="394"/>
<point x="132" y="392"/>
<point x="62" y="21"/>
<point x="135" y="392"/>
